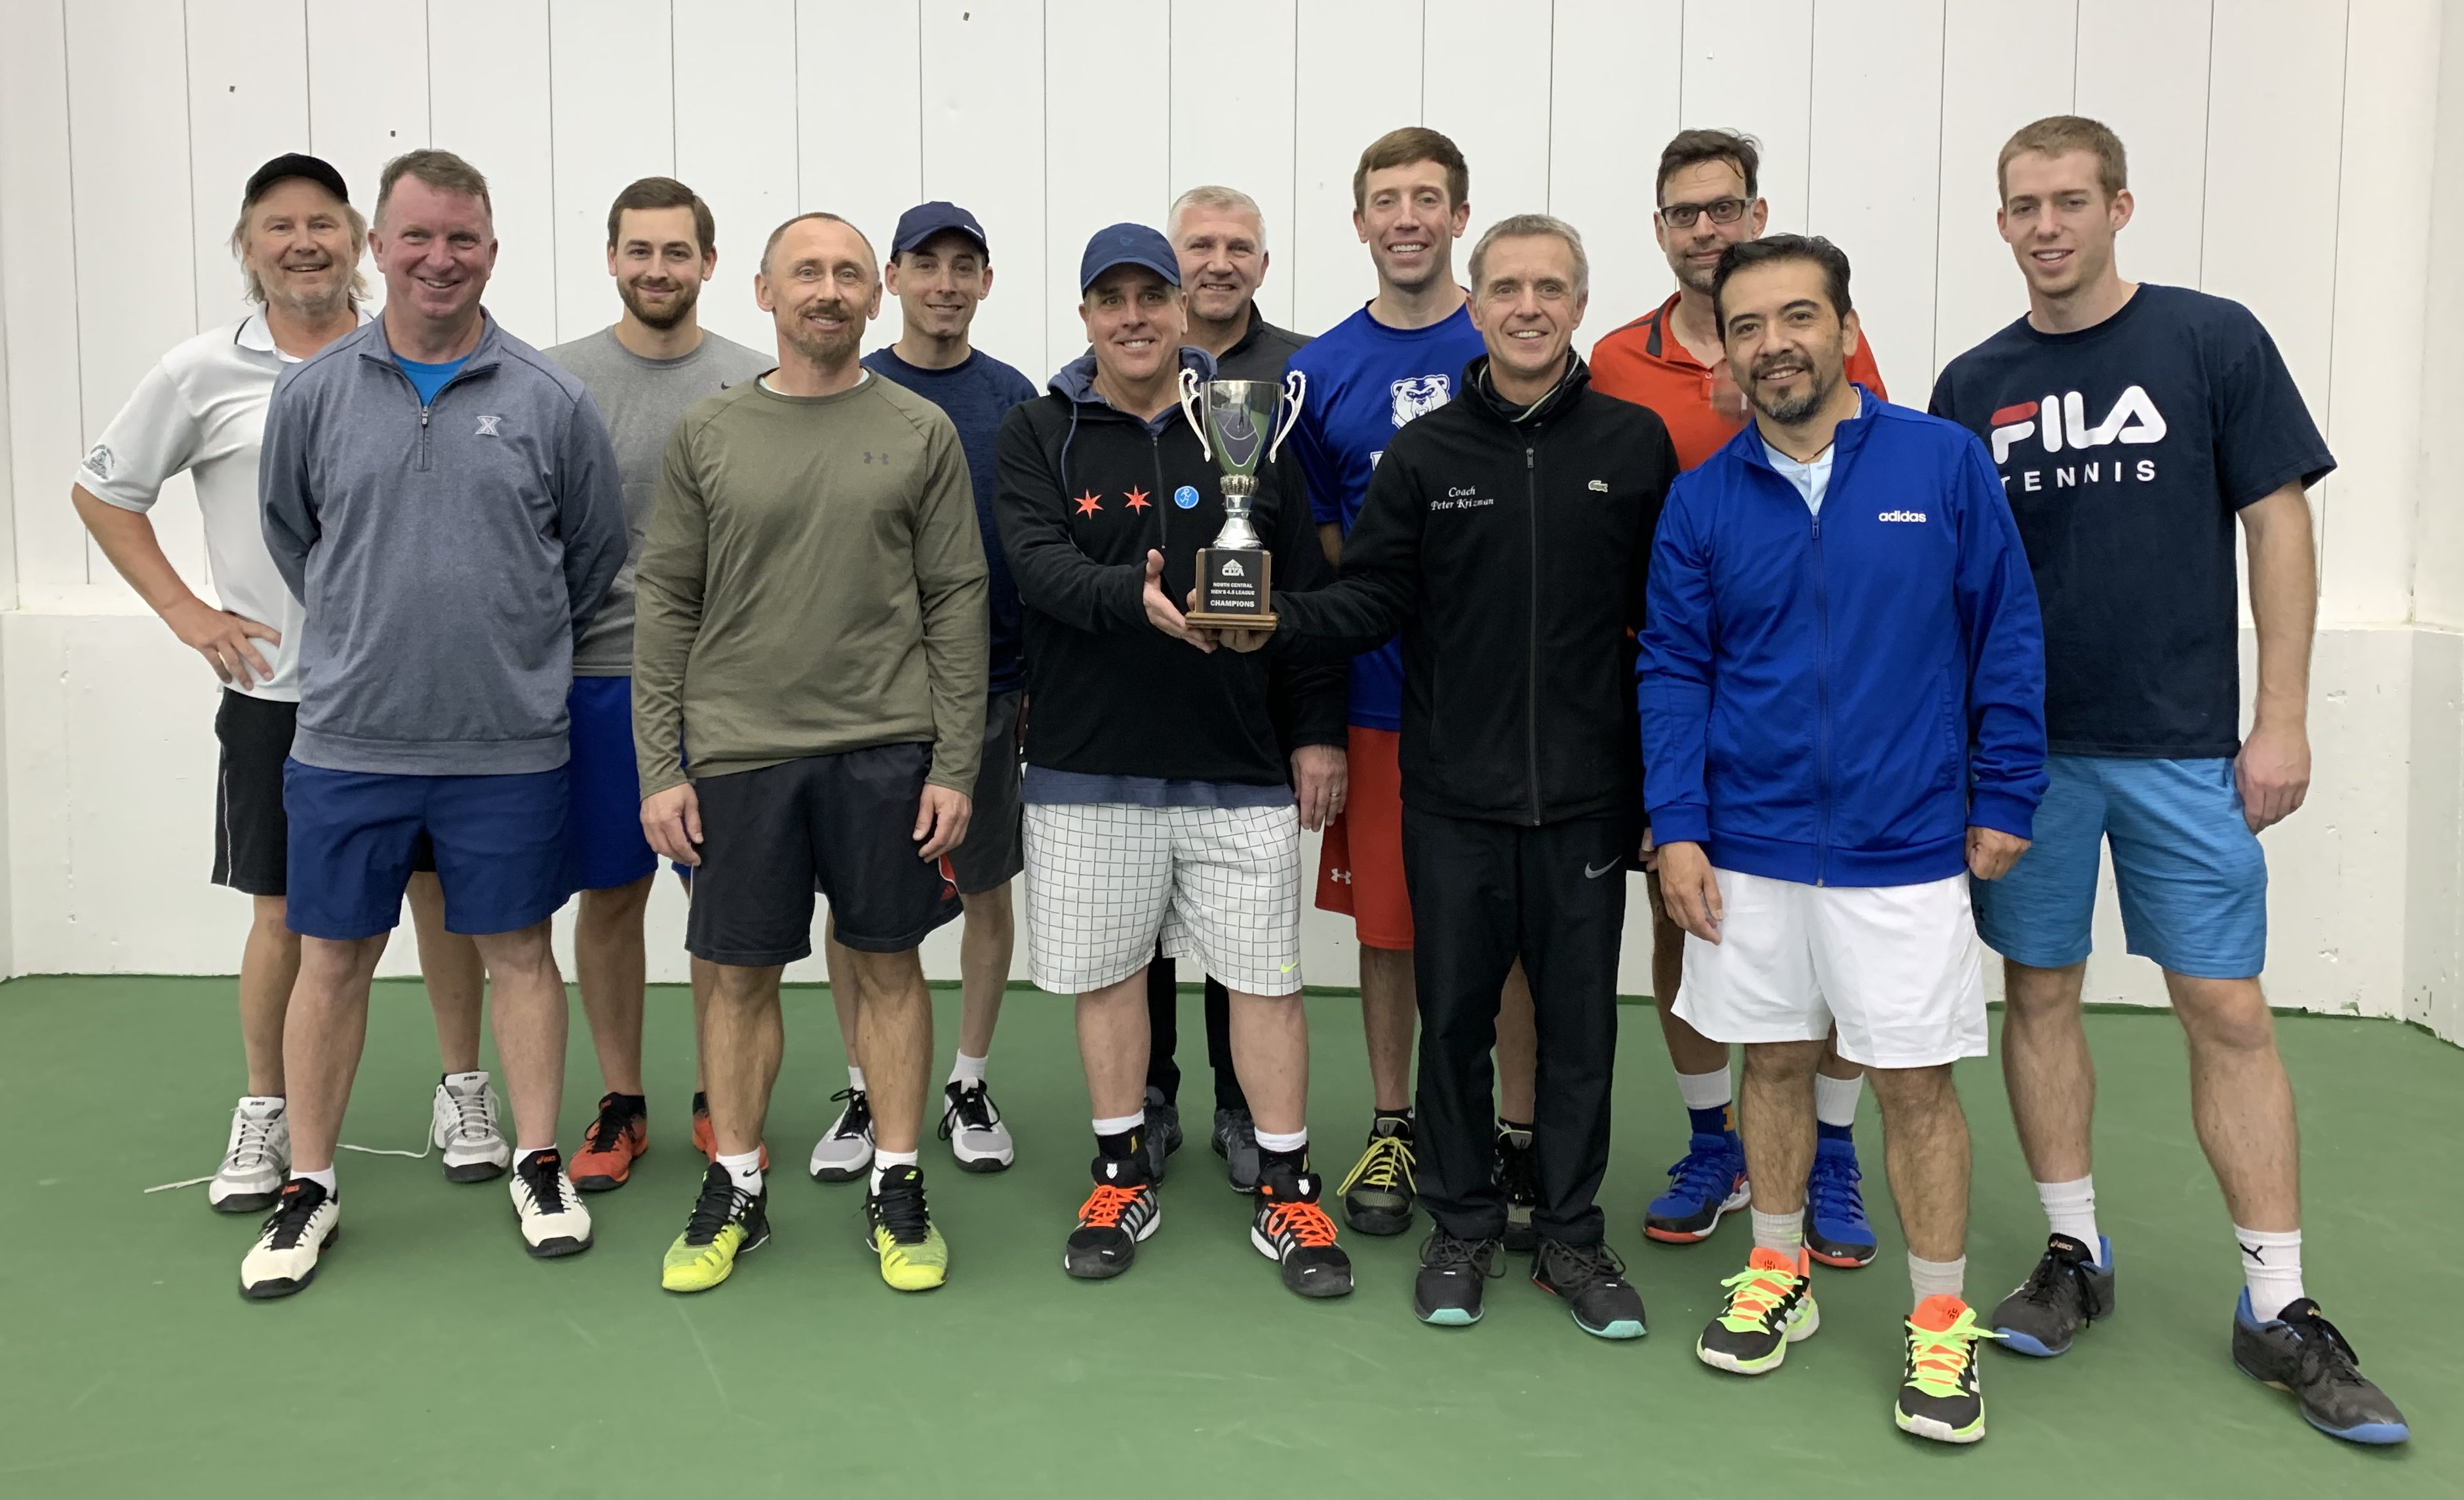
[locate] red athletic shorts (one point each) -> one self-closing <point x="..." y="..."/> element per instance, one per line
<point x="1360" y="862"/>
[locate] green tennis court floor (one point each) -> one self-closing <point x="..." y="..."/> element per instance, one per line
<point x="433" y="1357"/>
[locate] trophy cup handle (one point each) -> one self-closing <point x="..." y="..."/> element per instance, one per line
<point x="1192" y="393"/>
<point x="1296" y="386"/>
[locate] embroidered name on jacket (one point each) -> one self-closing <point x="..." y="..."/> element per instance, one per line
<point x="1462" y="497"/>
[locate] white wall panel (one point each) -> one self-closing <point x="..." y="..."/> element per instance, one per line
<point x="2003" y="63"/>
<point x="247" y="103"/>
<point x="612" y="92"/>
<point x="135" y="236"/>
<point x="367" y="88"/>
<point x="485" y="60"/>
<point x="1233" y="125"/>
<point x="984" y="146"/>
<point x="1874" y="175"/>
<point x="2143" y="70"/>
<point x="1111" y="64"/>
<point x="1485" y="81"/>
<point x="859" y="153"/>
<point x="1614" y="102"/>
<point x="1357" y="75"/>
<point x="45" y="383"/>
<point x="1751" y="68"/>
<point x="737" y="136"/>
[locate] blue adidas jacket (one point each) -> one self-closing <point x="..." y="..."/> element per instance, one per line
<point x="1833" y="699"/>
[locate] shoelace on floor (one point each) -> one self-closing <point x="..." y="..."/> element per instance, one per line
<point x="1106" y="1204"/>
<point x="425" y="1145"/>
<point x="857" y="1119"/>
<point x="1443" y="1251"/>
<point x="721" y="1203"/>
<point x="971" y="1110"/>
<point x="1702" y="1172"/>
<point x="604" y="1132"/>
<point x="1387" y="1162"/>
<point x="899" y="1208"/>
<point x="1755" y="1292"/>
<point x="1517" y="1172"/>
<point x="1831" y="1191"/>
<point x="1938" y="1356"/>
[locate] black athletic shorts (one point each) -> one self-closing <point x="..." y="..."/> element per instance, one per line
<point x="251" y="836"/>
<point x="995" y="848"/>
<point x="843" y="824"/>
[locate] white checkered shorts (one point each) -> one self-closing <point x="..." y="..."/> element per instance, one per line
<point x="1104" y="880"/>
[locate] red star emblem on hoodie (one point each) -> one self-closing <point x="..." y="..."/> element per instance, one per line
<point x="1138" y="500"/>
<point x="1089" y="504"/>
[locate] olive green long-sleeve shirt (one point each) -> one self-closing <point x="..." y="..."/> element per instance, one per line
<point x="812" y="582"/>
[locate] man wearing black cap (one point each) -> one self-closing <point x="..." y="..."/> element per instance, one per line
<point x="1159" y="804"/>
<point x="201" y="409"/>
<point x="940" y="268"/>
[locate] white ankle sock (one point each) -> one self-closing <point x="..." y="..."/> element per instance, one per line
<point x="968" y="1069"/>
<point x="1937" y="1278"/>
<point x="1120" y="1124"/>
<point x="322" y="1177"/>
<point x="744" y="1171"/>
<point x="1710" y="1091"/>
<point x="1781" y="1232"/>
<point x="855" y="1077"/>
<point x="1289" y="1145"/>
<point x="2070" y="1208"/>
<point x="1835" y="1099"/>
<point x="2271" y="1266"/>
<point x="884" y="1161"/>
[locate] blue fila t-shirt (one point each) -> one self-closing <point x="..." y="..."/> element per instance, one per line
<point x="1365" y="380"/>
<point x="2126" y="449"/>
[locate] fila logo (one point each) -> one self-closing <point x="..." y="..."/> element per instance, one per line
<point x="488" y="426"/>
<point x="2061" y="421"/>
<point x="1598" y="487"/>
<point x="1908" y="515"/>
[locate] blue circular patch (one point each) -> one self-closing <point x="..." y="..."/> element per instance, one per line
<point x="1186" y="497"/>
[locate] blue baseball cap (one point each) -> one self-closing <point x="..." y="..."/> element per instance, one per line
<point x="925" y="220"/>
<point x="1128" y="245"/>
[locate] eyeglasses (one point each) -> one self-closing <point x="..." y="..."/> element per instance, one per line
<point x="1723" y="210"/>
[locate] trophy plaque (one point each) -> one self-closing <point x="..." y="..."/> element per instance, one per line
<point x="1241" y="423"/>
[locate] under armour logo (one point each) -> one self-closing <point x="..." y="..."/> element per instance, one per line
<point x="1340" y="876"/>
<point x="487" y="427"/>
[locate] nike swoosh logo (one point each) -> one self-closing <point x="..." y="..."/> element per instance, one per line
<point x="1589" y="873"/>
<point x="1288" y="967"/>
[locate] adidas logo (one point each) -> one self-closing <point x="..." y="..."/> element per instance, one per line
<point x="1907" y="515"/>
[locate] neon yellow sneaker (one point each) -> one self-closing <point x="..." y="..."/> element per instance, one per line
<point x="727" y="1223"/>
<point x="1940" y="1396"/>
<point x="1770" y="1305"/>
<point x="899" y="1229"/>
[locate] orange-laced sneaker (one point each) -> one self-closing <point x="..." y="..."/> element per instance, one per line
<point x="621" y="1133"/>
<point x="1290" y="1229"/>
<point x="1122" y="1210"/>
<point x="706" y="1143"/>
<point x="1940" y="1396"/>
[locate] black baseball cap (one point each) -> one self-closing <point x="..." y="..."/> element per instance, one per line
<point x="295" y="164"/>
<point x="925" y="220"/>
<point x="1128" y="245"/>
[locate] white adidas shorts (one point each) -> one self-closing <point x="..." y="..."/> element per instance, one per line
<point x="1104" y="880"/>
<point x="1897" y="968"/>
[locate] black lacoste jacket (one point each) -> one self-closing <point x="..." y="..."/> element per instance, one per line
<point x="1509" y="547"/>
<point x="1085" y="490"/>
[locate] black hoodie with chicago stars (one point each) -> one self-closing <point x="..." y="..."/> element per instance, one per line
<point x="1085" y="491"/>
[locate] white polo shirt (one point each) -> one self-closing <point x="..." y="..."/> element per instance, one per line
<point x="202" y="408"/>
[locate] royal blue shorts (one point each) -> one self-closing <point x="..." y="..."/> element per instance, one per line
<point x="2191" y="875"/>
<point x="604" y="844"/>
<point x="499" y="842"/>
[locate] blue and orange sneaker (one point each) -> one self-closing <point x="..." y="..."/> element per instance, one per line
<point x="1707" y="1181"/>
<point x="2300" y="1352"/>
<point x="1836" y="1231"/>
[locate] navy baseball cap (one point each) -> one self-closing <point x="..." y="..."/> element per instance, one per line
<point x="925" y="220"/>
<point x="290" y="165"/>
<point x="1128" y="245"/>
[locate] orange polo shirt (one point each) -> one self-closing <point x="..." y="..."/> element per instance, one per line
<point x="1644" y="362"/>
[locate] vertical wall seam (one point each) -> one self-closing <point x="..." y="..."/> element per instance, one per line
<point x="77" y="298"/>
<point x="188" y="110"/>
<point x="555" y="181"/>
<point x="2335" y="275"/>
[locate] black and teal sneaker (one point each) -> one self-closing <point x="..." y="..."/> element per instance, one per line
<point x="1591" y="1281"/>
<point x="1453" y="1273"/>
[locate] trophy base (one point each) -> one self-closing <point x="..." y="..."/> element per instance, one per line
<point x="1235" y="589"/>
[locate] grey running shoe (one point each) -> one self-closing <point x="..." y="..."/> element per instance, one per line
<point x="462" y="1124"/>
<point x="1520" y="1177"/>
<point x="972" y="1124"/>
<point x="2303" y="1353"/>
<point x="2067" y="1290"/>
<point x="845" y="1151"/>
<point x="256" y="1159"/>
<point x="1236" y="1141"/>
<point x="1164" y="1132"/>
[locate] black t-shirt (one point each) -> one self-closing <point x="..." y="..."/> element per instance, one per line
<point x="2125" y="450"/>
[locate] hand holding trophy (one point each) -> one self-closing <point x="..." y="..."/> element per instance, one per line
<point x="1241" y="423"/>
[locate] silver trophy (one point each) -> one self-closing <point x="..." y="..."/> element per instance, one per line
<point x="1241" y="423"/>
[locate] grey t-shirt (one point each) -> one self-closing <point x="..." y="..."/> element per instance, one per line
<point x="641" y="400"/>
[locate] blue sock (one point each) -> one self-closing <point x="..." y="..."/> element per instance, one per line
<point x="1712" y="1121"/>
<point x="1822" y="1132"/>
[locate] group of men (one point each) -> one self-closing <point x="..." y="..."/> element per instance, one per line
<point x="501" y="626"/>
